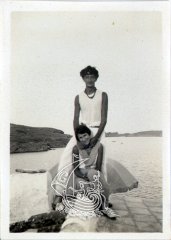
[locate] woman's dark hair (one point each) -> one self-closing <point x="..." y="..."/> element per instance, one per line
<point x="89" y="71"/>
<point x="81" y="129"/>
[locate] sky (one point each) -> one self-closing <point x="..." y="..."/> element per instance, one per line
<point x="49" y="49"/>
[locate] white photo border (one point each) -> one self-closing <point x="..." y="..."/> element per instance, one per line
<point x="7" y="7"/>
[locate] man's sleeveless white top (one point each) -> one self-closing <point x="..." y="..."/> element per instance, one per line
<point x="91" y="108"/>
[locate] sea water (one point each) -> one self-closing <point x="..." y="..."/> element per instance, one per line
<point x="142" y="156"/>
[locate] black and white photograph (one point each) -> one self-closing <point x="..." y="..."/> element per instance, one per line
<point x="87" y="112"/>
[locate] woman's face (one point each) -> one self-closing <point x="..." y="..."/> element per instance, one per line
<point x="84" y="138"/>
<point x="90" y="80"/>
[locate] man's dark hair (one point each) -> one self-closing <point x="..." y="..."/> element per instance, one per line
<point x="89" y="71"/>
<point x="81" y="129"/>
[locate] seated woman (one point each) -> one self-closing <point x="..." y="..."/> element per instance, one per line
<point x="87" y="163"/>
<point x="87" y="175"/>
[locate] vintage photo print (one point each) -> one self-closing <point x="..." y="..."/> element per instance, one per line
<point x="85" y="120"/>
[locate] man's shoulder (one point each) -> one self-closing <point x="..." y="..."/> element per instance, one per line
<point x="79" y="95"/>
<point x="104" y="96"/>
<point x="102" y="92"/>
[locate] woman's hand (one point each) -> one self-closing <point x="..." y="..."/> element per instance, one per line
<point x="84" y="172"/>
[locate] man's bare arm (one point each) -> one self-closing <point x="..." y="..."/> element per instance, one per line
<point x="99" y="158"/>
<point x="76" y="112"/>
<point x="104" y="112"/>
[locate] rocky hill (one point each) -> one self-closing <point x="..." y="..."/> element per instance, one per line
<point x="138" y="134"/>
<point x="36" y="139"/>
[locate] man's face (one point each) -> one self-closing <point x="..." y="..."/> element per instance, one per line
<point x="89" y="80"/>
<point x="84" y="138"/>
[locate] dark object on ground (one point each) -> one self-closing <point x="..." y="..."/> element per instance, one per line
<point x="44" y="222"/>
<point x="30" y="171"/>
<point x="52" y="228"/>
<point x="35" y="139"/>
<point x="46" y="219"/>
<point x="19" y="226"/>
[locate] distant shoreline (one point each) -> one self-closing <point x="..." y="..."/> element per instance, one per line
<point x="137" y="134"/>
<point x="38" y="139"/>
